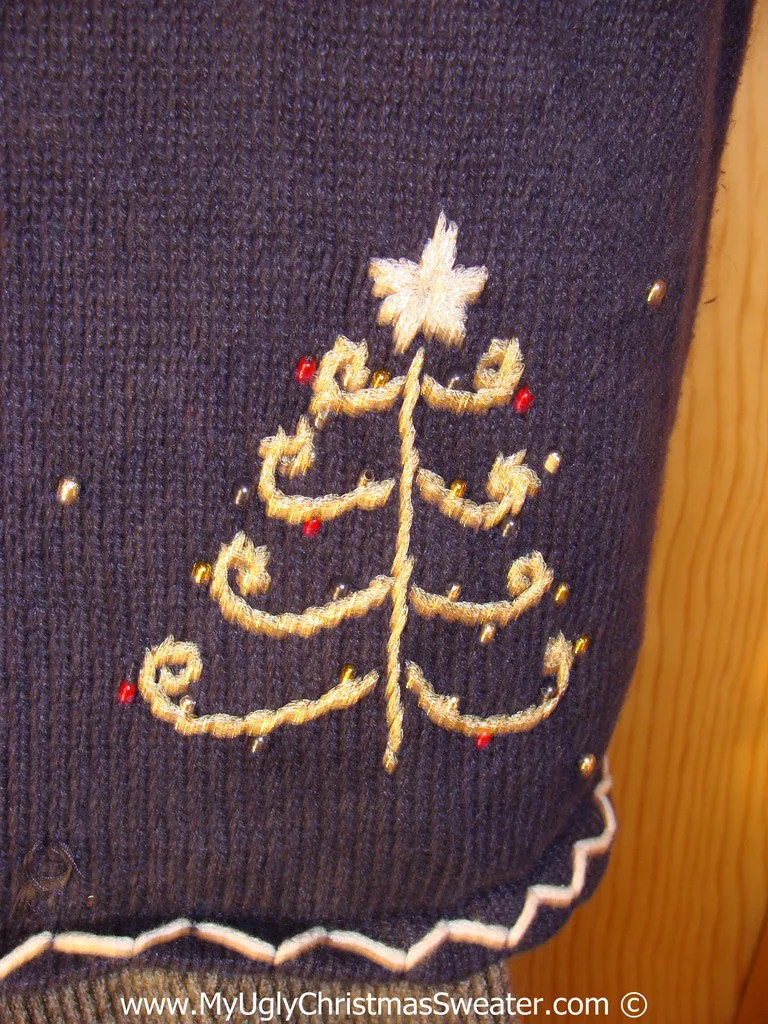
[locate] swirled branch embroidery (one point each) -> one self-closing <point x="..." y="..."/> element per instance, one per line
<point x="427" y="298"/>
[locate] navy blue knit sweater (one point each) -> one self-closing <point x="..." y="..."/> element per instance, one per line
<point x="322" y="574"/>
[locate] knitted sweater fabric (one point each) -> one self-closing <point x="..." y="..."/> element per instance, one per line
<point x="193" y="201"/>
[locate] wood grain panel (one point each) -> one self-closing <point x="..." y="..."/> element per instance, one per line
<point x="679" y="913"/>
<point x="753" y="1007"/>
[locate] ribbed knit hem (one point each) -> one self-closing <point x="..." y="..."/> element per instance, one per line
<point x="489" y="927"/>
<point x="119" y="996"/>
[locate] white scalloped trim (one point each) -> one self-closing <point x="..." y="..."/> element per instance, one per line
<point x="492" y="936"/>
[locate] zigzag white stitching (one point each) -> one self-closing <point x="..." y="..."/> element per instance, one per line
<point x="393" y="959"/>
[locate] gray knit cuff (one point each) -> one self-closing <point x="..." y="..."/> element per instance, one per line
<point x="120" y="996"/>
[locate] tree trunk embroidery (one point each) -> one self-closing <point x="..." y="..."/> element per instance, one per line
<point x="428" y="298"/>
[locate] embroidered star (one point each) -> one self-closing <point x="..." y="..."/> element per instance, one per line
<point x="430" y="296"/>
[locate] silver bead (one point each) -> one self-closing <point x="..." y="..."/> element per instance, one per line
<point x="509" y="527"/>
<point x="339" y="589"/>
<point x="241" y="493"/>
<point x="548" y="691"/>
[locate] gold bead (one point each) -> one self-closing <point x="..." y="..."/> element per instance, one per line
<point x="562" y="593"/>
<point x="365" y="478"/>
<point x="656" y="294"/>
<point x="201" y="573"/>
<point x="458" y="487"/>
<point x="347" y="674"/>
<point x="586" y="765"/>
<point x="552" y="463"/>
<point x="379" y="378"/>
<point x="580" y="645"/>
<point x="187" y="705"/>
<point x="453" y="593"/>
<point x="487" y="633"/>
<point x="90" y="900"/>
<point x="67" y="490"/>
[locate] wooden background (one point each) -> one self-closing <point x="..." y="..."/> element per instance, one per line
<point x="680" y="912"/>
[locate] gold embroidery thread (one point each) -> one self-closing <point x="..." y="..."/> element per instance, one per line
<point x="157" y="685"/>
<point x="509" y="483"/>
<point x="496" y="377"/>
<point x="428" y="298"/>
<point x="249" y="563"/>
<point x="527" y="582"/>
<point x="290" y="454"/>
<point x="444" y="711"/>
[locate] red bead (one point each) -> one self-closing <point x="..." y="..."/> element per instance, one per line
<point x="126" y="692"/>
<point x="305" y="369"/>
<point x="310" y="527"/>
<point x="523" y="400"/>
<point x="483" y="740"/>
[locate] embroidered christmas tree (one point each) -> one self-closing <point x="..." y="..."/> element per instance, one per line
<point x="428" y="298"/>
